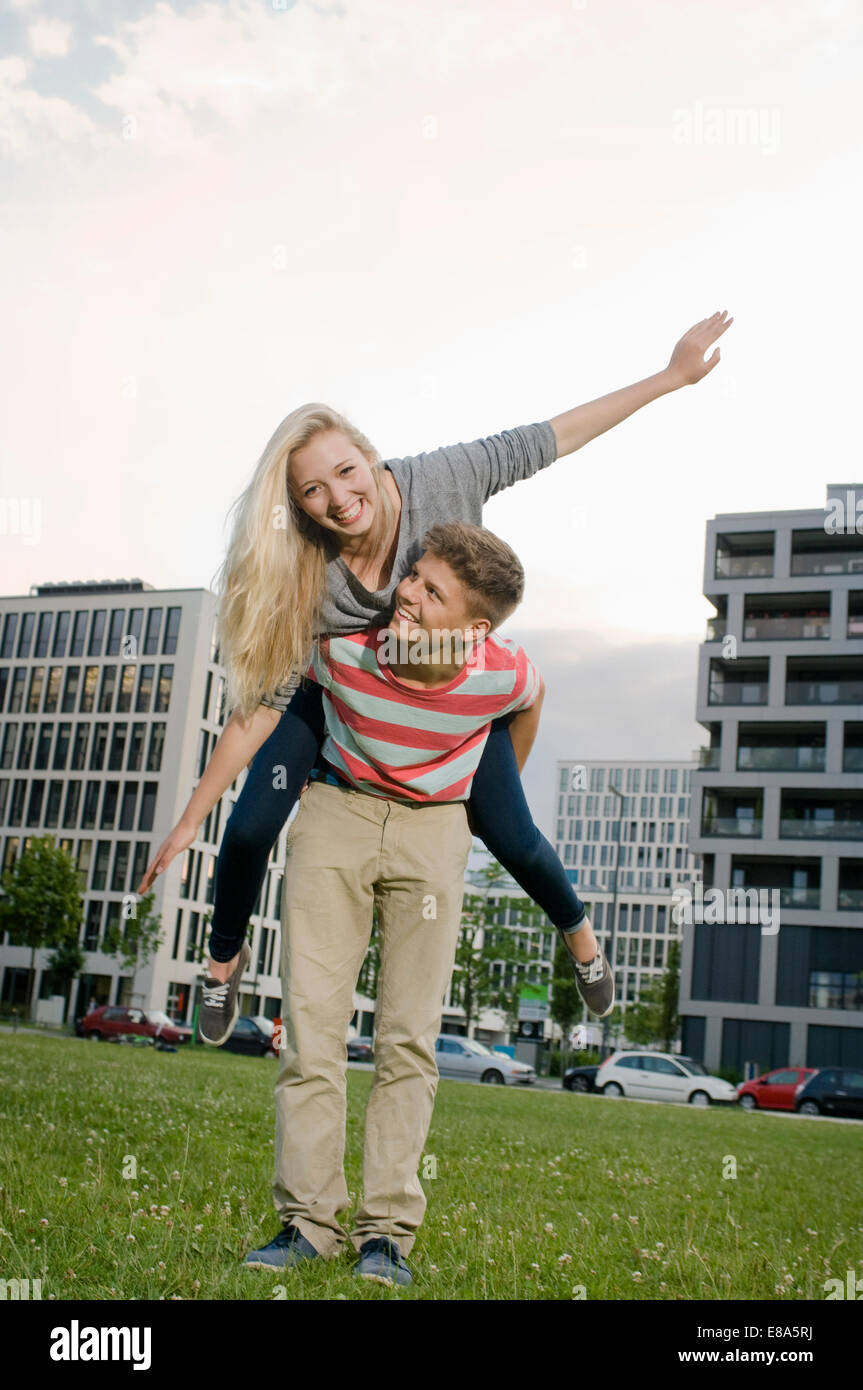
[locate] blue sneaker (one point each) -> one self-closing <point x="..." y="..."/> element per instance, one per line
<point x="289" y="1248"/>
<point x="381" y="1260"/>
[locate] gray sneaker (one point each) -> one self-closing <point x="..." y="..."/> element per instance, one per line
<point x="220" y="1003"/>
<point x="289" y="1248"/>
<point x="595" y="982"/>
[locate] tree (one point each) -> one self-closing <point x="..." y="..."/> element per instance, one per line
<point x="567" y="1005"/>
<point x="482" y="943"/>
<point x="65" y="963"/>
<point x="43" y="904"/>
<point x="134" y="939"/>
<point x="655" y="1017"/>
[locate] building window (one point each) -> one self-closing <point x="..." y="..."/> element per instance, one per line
<point x="163" y="690"/>
<point x="136" y="748"/>
<point x="115" y="633"/>
<point x="70" y="811"/>
<point x="92" y="925"/>
<point x="79" y="752"/>
<point x="145" y="690"/>
<point x="34" y="697"/>
<point x="79" y="632"/>
<point x="121" y="867"/>
<point x="118" y="747"/>
<point x="106" y="693"/>
<point x="25" y="640"/>
<point x="148" y="806"/>
<point x="9" y="626"/>
<point x="127" y="685"/>
<point x="52" y="692"/>
<point x="835" y="990"/>
<point x="154" y="623"/>
<point x="172" y="630"/>
<point x="97" y="632"/>
<point x="91" y="803"/>
<point x="88" y="690"/>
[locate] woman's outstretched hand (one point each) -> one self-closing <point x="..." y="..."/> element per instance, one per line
<point x="687" y="363"/>
<point x="180" y="838"/>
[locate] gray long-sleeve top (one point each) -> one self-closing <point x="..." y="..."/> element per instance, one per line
<point x="448" y="484"/>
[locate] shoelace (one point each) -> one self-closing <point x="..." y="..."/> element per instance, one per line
<point x="215" y="996"/>
<point x="592" y="970"/>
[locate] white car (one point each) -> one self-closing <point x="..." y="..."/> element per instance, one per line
<point x="662" y="1076"/>
<point x="468" y="1060"/>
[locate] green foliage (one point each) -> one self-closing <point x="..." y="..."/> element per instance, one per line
<point x="43" y="904"/>
<point x="655" y="1017"/>
<point x="483" y="941"/>
<point x="134" y="939"/>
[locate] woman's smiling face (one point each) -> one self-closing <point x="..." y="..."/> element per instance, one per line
<point x="332" y="481"/>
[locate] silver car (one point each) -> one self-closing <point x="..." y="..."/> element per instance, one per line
<point x="467" y="1060"/>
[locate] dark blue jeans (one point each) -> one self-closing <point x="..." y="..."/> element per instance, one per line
<point x="499" y="816"/>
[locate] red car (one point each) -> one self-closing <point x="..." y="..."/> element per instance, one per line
<point x="774" y="1090"/>
<point x="112" y="1021"/>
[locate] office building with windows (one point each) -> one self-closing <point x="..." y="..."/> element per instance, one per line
<point x="777" y="803"/>
<point x="112" y="698"/>
<point x="631" y="818"/>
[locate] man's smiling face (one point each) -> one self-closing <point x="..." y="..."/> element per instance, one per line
<point x="432" y="598"/>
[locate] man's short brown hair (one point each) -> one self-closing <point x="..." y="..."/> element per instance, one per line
<point x="489" y="569"/>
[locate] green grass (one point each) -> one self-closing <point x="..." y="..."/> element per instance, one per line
<point x="536" y="1194"/>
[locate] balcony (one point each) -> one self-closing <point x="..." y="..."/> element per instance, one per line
<point x="732" y="826"/>
<point x="813" y="552"/>
<point x="708" y="759"/>
<point x="832" y="681"/>
<point x="744" y="555"/>
<point x="852" y="758"/>
<point x="786" y="617"/>
<point x="850" y="897"/>
<point x="780" y="759"/>
<point x="737" y="682"/>
<point x="734" y="814"/>
<point x="798" y="880"/>
<point x="785" y="747"/>
<point x="829" y="816"/>
<point x="716" y="629"/>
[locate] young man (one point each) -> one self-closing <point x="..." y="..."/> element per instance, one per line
<point x="408" y="709"/>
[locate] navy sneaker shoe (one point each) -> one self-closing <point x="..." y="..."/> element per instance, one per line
<point x="381" y="1260"/>
<point x="289" y="1248"/>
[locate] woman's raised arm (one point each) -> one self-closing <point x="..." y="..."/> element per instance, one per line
<point x="687" y="365"/>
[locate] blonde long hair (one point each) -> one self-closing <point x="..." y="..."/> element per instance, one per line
<point x="272" y="581"/>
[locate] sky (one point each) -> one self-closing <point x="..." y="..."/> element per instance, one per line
<point x="446" y="219"/>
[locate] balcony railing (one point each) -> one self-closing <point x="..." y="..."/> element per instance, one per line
<point x="732" y="826"/>
<point x="744" y="567"/>
<point x="782" y="759"/>
<point x="850" y="898"/>
<point x="776" y="629"/>
<point x="800" y="897"/>
<point x="739" y="693"/>
<point x="708" y="758"/>
<point x="828" y="562"/>
<point x="839" y="692"/>
<point x="804" y="829"/>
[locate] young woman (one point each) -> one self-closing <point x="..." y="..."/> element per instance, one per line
<point x="323" y="535"/>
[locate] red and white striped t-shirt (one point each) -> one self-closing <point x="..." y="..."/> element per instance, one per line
<point x="407" y="743"/>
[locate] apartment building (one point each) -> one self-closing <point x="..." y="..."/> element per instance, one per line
<point x="777" y="803"/>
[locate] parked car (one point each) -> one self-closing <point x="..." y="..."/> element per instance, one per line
<point x="469" y="1060"/>
<point x="662" y="1076"/>
<point x="831" y="1091"/>
<point x="774" y="1090"/>
<point x="111" y="1021"/>
<point x="253" y="1036"/>
<point x="360" y="1050"/>
<point x="580" y="1078"/>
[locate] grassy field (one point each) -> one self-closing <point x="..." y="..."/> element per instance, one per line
<point x="537" y="1196"/>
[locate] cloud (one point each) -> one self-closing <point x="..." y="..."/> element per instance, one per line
<point x="49" y="38"/>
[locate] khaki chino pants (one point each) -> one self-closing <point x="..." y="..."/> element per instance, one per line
<point x="347" y="850"/>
